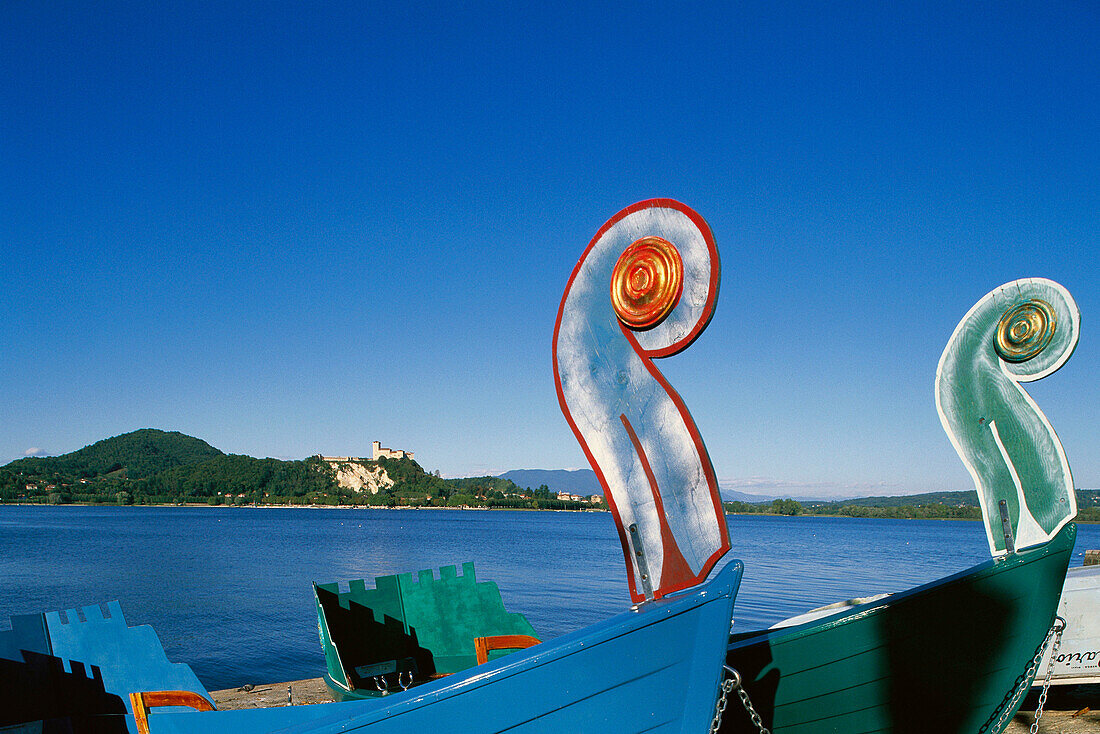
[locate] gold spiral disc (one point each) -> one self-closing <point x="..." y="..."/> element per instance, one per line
<point x="1025" y="330"/>
<point x="647" y="282"/>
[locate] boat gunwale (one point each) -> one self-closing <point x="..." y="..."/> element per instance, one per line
<point x="1061" y="543"/>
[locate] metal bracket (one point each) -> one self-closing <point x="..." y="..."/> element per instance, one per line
<point x="1006" y="524"/>
<point x="639" y="559"/>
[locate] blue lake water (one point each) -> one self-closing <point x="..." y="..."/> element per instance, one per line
<point x="229" y="590"/>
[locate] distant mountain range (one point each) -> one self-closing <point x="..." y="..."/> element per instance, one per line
<point x="583" y="481"/>
<point x="574" y="481"/>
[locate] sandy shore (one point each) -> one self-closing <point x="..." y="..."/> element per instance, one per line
<point x="1073" y="710"/>
<point x="1069" y="710"/>
<point x="268" y="695"/>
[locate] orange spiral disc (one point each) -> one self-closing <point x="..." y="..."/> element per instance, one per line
<point x="647" y="282"/>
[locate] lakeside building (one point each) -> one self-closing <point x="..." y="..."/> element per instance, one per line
<point x="594" y="499"/>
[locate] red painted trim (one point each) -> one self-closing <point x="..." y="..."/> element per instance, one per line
<point x="700" y="447"/>
<point x="674" y="348"/>
<point x="712" y="287"/>
<point x="675" y="570"/>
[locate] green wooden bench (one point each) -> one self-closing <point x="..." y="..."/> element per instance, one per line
<point x="409" y="629"/>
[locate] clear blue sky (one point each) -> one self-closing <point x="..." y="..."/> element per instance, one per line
<point x="296" y="230"/>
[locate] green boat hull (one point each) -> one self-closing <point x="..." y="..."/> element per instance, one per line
<point x="944" y="657"/>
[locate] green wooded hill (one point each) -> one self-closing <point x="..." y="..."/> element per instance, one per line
<point x="137" y="455"/>
<point x="150" y="466"/>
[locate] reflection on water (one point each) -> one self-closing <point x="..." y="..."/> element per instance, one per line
<point x="229" y="590"/>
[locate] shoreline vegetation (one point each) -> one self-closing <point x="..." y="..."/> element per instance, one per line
<point x="153" y="467"/>
<point x="860" y="511"/>
<point x="1083" y="518"/>
<point x="156" y="468"/>
<point x="911" y="507"/>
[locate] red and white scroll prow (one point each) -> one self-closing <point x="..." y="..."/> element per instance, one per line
<point x="645" y="288"/>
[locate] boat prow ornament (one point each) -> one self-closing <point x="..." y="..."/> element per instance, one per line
<point x="645" y="288"/>
<point x="1020" y="332"/>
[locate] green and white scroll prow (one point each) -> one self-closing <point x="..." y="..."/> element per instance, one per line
<point x="1020" y="332"/>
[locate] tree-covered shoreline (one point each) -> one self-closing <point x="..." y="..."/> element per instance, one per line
<point x="152" y="467"/>
<point x="930" y="506"/>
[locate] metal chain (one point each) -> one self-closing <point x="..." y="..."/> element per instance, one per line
<point x="724" y="687"/>
<point x="1060" y="624"/>
<point x="1012" y="699"/>
<point x="731" y="681"/>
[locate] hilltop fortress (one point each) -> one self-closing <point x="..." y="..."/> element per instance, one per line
<point x="353" y="475"/>
<point x="377" y="451"/>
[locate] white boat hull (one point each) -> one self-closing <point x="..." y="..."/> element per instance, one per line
<point x="1078" y="657"/>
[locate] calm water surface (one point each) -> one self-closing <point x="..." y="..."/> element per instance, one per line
<point x="229" y="590"/>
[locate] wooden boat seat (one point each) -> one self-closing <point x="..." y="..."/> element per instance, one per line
<point x="411" y="629"/>
<point x="483" y="645"/>
<point x="142" y="701"/>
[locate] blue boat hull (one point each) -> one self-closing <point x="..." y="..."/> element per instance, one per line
<point x="655" y="668"/>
